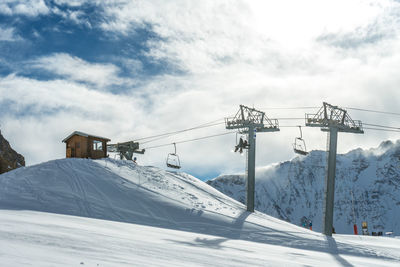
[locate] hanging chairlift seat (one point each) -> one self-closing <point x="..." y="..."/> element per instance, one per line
<point x="173" y="160"/>
<point x="299" y="146"/>
<point x="241" y="144"/>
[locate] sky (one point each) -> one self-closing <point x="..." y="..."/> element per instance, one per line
<point x="132" y="69"/>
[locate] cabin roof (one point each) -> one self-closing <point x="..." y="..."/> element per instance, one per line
<point x="84" y="135"/>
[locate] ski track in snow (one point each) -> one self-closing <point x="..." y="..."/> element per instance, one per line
<point x="177" y="212"/>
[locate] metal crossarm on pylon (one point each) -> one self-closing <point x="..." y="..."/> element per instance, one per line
<point x="250" y="121"/>
<point x="247" y="116"/>
<point x="333" y="120"/>
<point x="333" y="116"/>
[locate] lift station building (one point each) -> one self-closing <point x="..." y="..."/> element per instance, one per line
<point x="83" y="145"/>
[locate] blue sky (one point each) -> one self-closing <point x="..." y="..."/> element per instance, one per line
<point x="52" y="33"/>
<point x="131" y="69"/>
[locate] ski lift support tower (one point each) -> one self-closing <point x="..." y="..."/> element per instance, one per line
<point x="332" y="119"/>
<point x="250" y="121"/>
<point x="125" y="149"/>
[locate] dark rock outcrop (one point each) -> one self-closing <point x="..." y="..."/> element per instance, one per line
<point x="9" y="159"/>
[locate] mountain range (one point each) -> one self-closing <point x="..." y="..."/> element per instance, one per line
<point x="366" y="189"/>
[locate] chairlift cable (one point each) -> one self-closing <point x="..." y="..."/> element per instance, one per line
<point x="292" y="108"/>
<point x="288" y="126"/>
<point x="380" y="129"/>
<point x="382" y="126"/>
<point x="190" y="140"/>
<point x="177" y="132"/>
<point x="352" y="108"/>
<point x="374" y="111"/>
<point x="214" y="123"/>
<point x="205" y="125"/>
<point x="290" y="118"/>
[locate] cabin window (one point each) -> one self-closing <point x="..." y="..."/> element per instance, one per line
<point x="78" y="145"/>
<point x="97" y="145"/>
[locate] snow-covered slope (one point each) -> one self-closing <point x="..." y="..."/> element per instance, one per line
<point x="117" y="190"/>
<point x="43" y="239"/>
<point x="367" y="182"/>
<point x="174" y="220"/>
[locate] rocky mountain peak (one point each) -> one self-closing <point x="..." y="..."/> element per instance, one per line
<point x="9" y="158"/>
<point x="366" y="189"/>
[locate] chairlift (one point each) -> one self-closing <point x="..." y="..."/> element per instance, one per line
<point x="241" y="144"/>
<point x="173" y="160"/>
<point x="299" y="145"/>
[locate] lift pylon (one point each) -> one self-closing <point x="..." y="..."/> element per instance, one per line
<point x="126" y="149"/>
<point x="332" y="119"/>
<point x="250" y="121"/>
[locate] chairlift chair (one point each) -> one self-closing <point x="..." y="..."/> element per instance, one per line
<point x="299" y="145"/>
<point x="173" y="160"/>
<point x="241" y="144"/>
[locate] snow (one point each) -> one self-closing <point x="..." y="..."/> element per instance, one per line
<point x="79" y="212"/>
<point x="84" y="135"/>
<point x="45" y="239"/>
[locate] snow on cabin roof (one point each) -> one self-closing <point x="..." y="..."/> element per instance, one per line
<point x="85" y="135"/>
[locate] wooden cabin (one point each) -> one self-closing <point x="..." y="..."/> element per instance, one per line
<point x="82" y="145"/>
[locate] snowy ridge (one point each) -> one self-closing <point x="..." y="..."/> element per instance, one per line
<point x="294" y="190"/>
<point x="122" y="191"/>
<point x="114" y="190"/>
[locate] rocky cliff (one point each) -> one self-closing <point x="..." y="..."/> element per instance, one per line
<point x="9" y="159"/>
<point x="367" y="189"/>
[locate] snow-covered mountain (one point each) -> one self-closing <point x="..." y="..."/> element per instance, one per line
<point x="367" y="188"/>
<point x="174" y="219"/>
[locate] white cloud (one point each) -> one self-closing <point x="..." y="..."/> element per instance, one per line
<point x="72" y="3"/>
<point x="266" y="54"/>
<point x="133" y="65"/>
<point x="24" y="7"/>
<point x="76" y="69"/>
<point x="56" y="108"/>
<point x="198" y="36"/>
<point x="33" y="8"/>
<point x="76" y="16"/>
<point x="168" y="103"/>
<point x="8" y="34"/>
